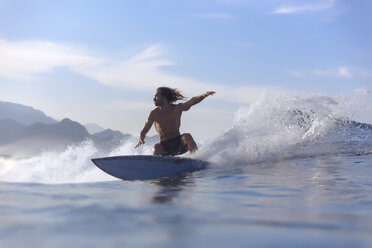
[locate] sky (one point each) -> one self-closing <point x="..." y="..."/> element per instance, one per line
<point x="101" y="61"/>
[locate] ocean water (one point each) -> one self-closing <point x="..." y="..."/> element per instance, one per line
<point x="292" y="171"/>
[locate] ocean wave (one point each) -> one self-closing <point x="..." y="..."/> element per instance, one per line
<point x="284" y="127"/>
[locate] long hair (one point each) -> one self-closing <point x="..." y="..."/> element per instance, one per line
<point x="172" y="95"/>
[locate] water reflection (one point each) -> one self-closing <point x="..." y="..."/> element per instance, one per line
<point x="169" y="188"/>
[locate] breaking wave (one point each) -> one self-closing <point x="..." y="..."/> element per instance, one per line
<point x="288" y="127"/>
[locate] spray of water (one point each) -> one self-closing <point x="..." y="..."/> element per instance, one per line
<point x="284" y="127"/>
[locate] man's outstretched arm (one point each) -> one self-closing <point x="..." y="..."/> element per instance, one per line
<point x="195" y="100"/>
<point x="146" y="128"/>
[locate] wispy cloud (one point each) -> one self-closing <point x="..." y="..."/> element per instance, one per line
<point x="317" y="6"/>
<point x="341" y="71"/>
<point x="143" y="71"/>
<point x="23" y="60"/>
<point x="344" y="72"/>
<point x="221" y="16"/>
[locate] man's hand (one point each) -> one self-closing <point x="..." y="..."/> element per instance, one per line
<point x="209" y="93"/>
<point x="140" y="142"/>
<point x="146" y="128"/>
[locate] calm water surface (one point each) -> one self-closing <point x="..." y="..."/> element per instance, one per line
<point x="312" y="202"/>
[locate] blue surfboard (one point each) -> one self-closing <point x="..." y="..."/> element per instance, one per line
<point x="147" y="167"/>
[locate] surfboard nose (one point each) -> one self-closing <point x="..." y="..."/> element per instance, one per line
<point x="94" y="160"/>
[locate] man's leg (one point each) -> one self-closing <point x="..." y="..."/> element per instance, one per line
<point x="158" y="149"/>
<point x="189" y="142"/>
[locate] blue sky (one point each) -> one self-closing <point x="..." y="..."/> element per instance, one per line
<point x="100" y="61"/>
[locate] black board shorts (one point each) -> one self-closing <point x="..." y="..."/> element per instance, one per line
<point x="174" y="146"/>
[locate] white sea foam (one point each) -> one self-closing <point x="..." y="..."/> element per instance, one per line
<point x="73" y="165"/>
<point x="285" y="127"/>
<point x="273" y="128"/>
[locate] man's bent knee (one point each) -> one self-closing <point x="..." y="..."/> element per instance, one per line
<point x="187" y="137"/>
<point x="188" y="140"/>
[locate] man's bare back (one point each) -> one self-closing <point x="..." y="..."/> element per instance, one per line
<point x="167" y="119"/>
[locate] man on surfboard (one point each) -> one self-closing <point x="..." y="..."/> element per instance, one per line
<point x="167" y="119"/>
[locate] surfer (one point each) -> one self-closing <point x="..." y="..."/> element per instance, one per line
<point x="167" y="119"/>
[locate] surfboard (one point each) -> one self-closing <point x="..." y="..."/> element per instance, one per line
<point x="147" y="167"/>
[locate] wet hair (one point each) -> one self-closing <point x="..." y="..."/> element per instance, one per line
<point x="172" y="95"/>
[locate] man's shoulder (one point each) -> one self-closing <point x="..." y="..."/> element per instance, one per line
<point x="154" y="111"/>
<point x="179" y="105"/>
<point x="182" y="106"/>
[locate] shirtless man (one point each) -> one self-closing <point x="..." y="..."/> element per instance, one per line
<point x="167" y="119"/>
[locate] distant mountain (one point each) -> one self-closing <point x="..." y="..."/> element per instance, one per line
<point x="66" y="130"/>
<point x="23" y="114"/>
<point x="18" y="140"/>
<point x="25" y="131"/>
<point x="93" y="128"/>
<point x="9" y="129"/>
